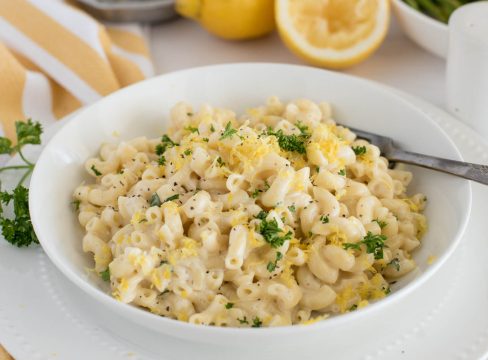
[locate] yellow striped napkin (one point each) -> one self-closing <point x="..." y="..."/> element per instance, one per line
<point x="54" y="58"/>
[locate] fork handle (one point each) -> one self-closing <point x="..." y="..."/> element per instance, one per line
<point x="465" y="170"/>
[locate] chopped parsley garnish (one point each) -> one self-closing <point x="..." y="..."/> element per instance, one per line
<point x="374" y="245"/>
<point x="164" y="292"/>
<point x="18" y="230"/>
<point x="354" y="307"/>
<point x="220" y="162"/>
<point x="76" y="204"/>
<point x="212" y="129"/>
<point x="290" y="142"/>
<point x="166" y="143"/>
<point x="359" y="150"/>
<point x="292" y="208"/>
<point x="255" y="193"/>
<point x="381" y="223"/>
<point x="171" y="198"/>
<point x="189" y="114"/>
<point x="243" y="320"/>
<point x="155" y="200"/>
<point x="261" y="215"/>
<point x="192" y="129"/>
<point x="272" y="265"/>
<point x="229" y="305"/>
<point x="395" y="263"/>
<point x="229" y="131"/>
<point x="324" y="219"/>
<point x="355" y="246"/>
<point x="342" y="172"/>
<point x="205" y="139"/>
<point x="387" y="290"/>
<point x="272" y="233"/>
<point x="95" y="170"/>
<point x="162" y="160"/>
<point x="256" y="322"/>
<point x="303" y="128"/>
<point x="187" y="152"/>
<point x="105" y="275"/>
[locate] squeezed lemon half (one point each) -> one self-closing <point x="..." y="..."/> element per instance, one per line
<point x="333" y="33"/>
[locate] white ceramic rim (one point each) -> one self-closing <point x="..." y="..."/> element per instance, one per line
<point x="109" y="301"/>
<point x="420" y="15"/>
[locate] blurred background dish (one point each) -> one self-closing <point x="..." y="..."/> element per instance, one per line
<point x="147" y="11"/>
<point x="424" y="30"/>
<point x="425" y="21"/>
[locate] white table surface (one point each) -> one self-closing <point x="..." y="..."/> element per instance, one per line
<point x="399" y="62"/>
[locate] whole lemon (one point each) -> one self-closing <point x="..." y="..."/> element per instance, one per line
<point x="231" y="19"/>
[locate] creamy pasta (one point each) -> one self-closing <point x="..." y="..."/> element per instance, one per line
<point x="277" y="217"/>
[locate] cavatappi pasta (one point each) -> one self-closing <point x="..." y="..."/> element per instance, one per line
<point x="277" y="217"/>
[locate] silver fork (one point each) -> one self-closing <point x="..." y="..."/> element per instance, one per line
<point x="465" y="170"/>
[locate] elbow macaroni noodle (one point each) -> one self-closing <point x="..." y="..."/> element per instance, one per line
<point x="278" y="217"/>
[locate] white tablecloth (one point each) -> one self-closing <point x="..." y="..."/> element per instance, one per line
<point x="399" y="62"/>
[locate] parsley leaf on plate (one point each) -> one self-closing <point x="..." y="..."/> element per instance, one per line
<point x="18" y="230"/>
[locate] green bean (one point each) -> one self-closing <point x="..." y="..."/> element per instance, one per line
<point x="432" y="9"/>
<point x="413" y="4"/>
<point x="438" y="9"/>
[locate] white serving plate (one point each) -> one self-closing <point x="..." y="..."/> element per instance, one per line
<point x="141" y="110"/>
<point x="427" y="32"/>
<point x="44" y="316"/>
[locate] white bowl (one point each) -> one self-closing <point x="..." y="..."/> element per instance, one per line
<point x="142" y="109"/>
<point x="429" y="33"/>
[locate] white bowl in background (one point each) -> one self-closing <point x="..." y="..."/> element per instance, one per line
<point x="427" y="32"/>
<point x="142" y="109"/>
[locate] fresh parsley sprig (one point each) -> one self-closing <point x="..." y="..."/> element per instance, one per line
<point x="27" y="133"/>
<point x="18" y="230"/>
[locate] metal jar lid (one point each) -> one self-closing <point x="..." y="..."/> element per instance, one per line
<point x="130" y="10"/>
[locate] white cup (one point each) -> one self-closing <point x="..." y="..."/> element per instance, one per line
<point x="467" y="66"/>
